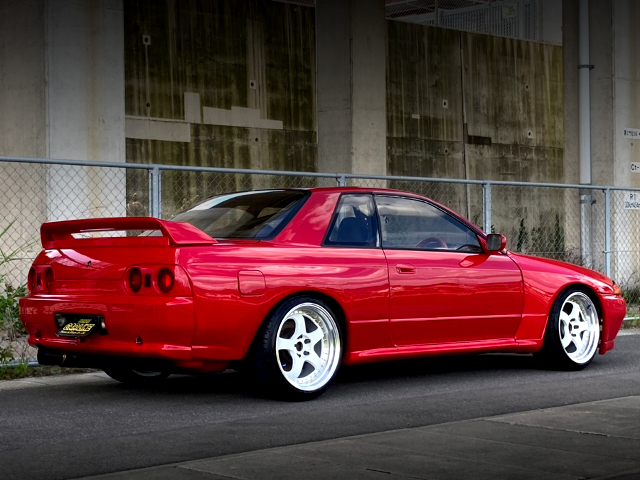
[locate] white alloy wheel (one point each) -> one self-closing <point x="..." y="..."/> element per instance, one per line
<point x="578" y="328"/>
<point x="308" y="347"/>
<point x="573" y="332"/>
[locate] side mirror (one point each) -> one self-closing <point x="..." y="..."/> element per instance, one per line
<point x="496" y="242"/>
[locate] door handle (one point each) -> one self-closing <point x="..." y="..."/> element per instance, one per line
<point x="405" y="268"/>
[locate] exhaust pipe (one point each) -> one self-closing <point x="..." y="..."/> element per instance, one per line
<point x="62" y="359"/>
<point x="51" y="357"/>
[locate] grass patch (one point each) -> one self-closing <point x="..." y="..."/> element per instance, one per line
<point x="23" y="370"/>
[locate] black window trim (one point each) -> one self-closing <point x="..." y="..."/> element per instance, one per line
<point x="376" y="224"/>
<point x="460" y="220"/>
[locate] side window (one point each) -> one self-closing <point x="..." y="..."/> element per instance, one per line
<point x="354" y="223"/>
<point x="413" y="224"/>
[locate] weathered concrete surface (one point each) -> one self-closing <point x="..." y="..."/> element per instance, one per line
<point x="424" y="102"/>
<point x="22" y="71"/>
<point x="514" y="117"/>
<point x="615" y="94"/>
<point x="463" y="105"/>
<point x="233" y="54"/>
<point x="85" y="109"/>
<point x="597" y="439"/>
<point x="491" y="105"/>
<point x="513" y="96"/>
<point x="351" y="52"/>
<point x="626" y="114"/>
<point x="252" y="61"/>
<point x="62" y="79"/>
<point x="22" y="126"/>
<point x="61" y="96"/>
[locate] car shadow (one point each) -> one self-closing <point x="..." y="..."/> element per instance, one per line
<point x="433" y="366"/>
<point x="234" y="383"/>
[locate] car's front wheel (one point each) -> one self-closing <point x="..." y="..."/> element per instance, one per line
<point x="137" y="378"/>
<point x="299" y="349"/>
<point x="573" y="332"/>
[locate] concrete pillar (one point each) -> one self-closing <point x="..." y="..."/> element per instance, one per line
<point x="625" y="148"/>
<point x="22" y="124"/>
<point x="615" y="97"/>
<point x="351" y="63"/>
<point x="62" y="97"/>
<point x="84" y="58"/>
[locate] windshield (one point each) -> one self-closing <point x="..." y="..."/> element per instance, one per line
<point x="257" y="215"/>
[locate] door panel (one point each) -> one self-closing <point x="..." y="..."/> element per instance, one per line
<point x="444" y="287"/>
<point x="453" y="297"/>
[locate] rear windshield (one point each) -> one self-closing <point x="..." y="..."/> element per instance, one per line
<point x="257" y="215"/>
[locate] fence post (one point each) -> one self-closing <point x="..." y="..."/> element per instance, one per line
<point x="155" y="191"/>
<point x="342" y="180"/>
<point x="586" y="240"/>
<point x="486" y="206"/>
<point x="607" y="232"/>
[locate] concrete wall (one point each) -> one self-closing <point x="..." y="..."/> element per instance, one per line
<point x="85" y="106"/>
<point x="493" y="103"/>
<point x="61" y="96"/>
<point x="22" y="121"/>
<point x="615" y="96"/>
<point x="463" y="105"/>
<point x="234" y="80"/>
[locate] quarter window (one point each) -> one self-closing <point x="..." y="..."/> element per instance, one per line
<point x="354" y="223"/>
<point x="406" y="223"/>
<point x="259" y="214"/>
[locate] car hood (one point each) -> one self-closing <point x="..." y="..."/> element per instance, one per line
<point x="558" y="266"/>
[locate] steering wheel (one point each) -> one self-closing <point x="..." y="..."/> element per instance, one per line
<point x="439" y="243"/>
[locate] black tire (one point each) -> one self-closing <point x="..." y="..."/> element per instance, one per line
<point x="290" y="373"/>
<point x="137" y="378"/>
<point x="566" y="346"/>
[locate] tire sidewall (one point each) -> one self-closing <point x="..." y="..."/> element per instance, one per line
<point x="552" y="351"/>
<point x="267" y="371"/>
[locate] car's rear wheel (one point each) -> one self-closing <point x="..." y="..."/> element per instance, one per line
<point x="298" y="351"/>
<point x="573" y="332"/>
<point x="137" y="378"/>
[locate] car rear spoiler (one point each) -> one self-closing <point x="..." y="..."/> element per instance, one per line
<point x="177" y="233"/>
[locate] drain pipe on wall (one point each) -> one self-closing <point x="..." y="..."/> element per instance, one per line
<point x="584" y="114"/>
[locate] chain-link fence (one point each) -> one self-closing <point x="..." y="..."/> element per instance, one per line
<point x="596" y="227"/>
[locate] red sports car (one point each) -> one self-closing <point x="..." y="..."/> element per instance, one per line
<point x="288" y="284"/>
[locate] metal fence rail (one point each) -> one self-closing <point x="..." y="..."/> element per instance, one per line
<point x="595" y="226"/>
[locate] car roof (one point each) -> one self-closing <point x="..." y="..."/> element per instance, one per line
<point x="359" y="190"/>
<point x="328" y="190"/>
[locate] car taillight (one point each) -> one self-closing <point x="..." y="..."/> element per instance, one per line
<point x="48" y="279"/>
<point x="165" y="280"/>
<point x="31" y="279"/>
<point x="135" y="279"/>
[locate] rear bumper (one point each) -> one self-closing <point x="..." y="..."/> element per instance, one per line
<point x="614" y="309"/>
<point x="143" y="327"/>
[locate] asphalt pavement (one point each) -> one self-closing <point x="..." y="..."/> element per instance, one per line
<point x="593" y="440"/>
<point x="481" y="416"/>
